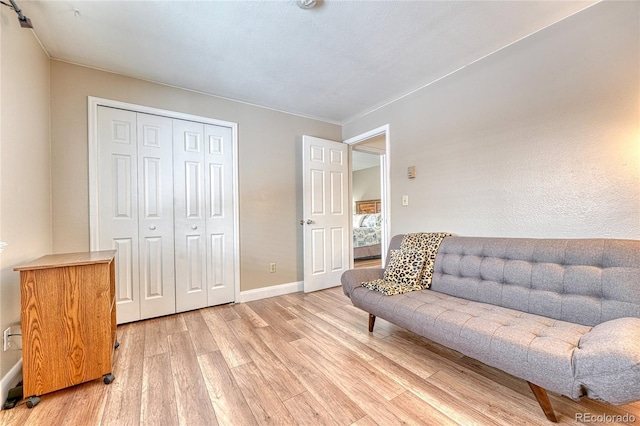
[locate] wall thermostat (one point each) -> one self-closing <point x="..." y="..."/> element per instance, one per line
<point x="411" y="172"/>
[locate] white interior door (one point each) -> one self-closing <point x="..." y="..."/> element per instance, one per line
<point x="155" y="215"/>
<point x="219" y="214"/>
<point x="326" y="212"/>
<point x="189" y="212"/>
<point x="118" y="206"/>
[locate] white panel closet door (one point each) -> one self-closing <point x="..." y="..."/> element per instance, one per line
<point x="166" y="201"/>
<point x="118" y="206"/>
<point x="189" y="215"/>
<point x="219" y="214"/>
<point x="155" y="213"/>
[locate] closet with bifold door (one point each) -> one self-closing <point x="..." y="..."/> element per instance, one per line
<point x="165" y="202"/>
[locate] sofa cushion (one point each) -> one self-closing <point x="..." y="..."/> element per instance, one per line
<point x="529" y="346"/>
<point x="586" y="281"/>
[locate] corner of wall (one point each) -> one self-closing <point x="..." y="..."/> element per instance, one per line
<point x="10" y="379"/>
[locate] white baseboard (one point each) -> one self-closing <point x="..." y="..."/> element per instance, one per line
<point x="10" y="380"/>
<point x="263" y="293"/>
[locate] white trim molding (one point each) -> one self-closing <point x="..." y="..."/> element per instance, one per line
<point x="382" y="130"/>
<point x="385" y="168"/>
<point x="272" y="291"/>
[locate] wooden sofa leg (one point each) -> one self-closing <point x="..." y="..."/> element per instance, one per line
<point x="543" y="400"/>
<point x="372" y="321"/>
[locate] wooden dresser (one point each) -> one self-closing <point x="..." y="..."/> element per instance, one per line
<point x="68" y="321"/>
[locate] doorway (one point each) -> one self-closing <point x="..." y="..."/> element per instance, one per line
<point x="369" y="195"/>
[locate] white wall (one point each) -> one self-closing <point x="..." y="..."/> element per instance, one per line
<point x="366" y="184"/>
<point x="25" y="194"/>
<point x="540" y="139"/>
<point x="270" y="157"/>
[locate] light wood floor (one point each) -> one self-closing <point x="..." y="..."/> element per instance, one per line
<point x="297" y="359"/>
<point x="368" y="263"/>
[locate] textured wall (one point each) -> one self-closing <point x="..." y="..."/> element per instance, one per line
<point x="25" y="217"/>
<point x="540" y="139"/>
<point x="270" y="157"/>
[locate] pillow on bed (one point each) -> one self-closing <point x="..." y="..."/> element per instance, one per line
<point x="357" y="220"/>
<point x="372" y="220"/>
<point x="405" y="267"/>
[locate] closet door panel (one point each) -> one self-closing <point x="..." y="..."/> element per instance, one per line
<point x="126" y="270"/>
<point x="189" y="214"/>
<point x="118" y="207"/>
<point x="155" y="212"/>
<point x="219" y="214"/>
<point x="194" y="279"/>
<point x="166" y="204"/>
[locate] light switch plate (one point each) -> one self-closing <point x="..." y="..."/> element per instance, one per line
<point x="405" y="200"/>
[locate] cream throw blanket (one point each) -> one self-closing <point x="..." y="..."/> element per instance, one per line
<point x="411" y="267"/>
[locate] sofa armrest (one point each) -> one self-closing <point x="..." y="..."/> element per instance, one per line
<point x="607" y="361"/>
<point x="353" y="278"/>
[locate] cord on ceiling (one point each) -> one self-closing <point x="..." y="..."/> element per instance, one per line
<point x="24" y="21"/>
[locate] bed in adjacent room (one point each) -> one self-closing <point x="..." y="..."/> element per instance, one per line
<point x="367" y="223"/>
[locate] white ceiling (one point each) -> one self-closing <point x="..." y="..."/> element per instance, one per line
<point x="335" y="62"/>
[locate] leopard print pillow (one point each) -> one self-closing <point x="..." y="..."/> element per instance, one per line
<point x="411" y="267"/>
<point x="405" y="267"/>
<point x="429" y="243"/>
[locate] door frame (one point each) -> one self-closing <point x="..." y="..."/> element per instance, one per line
<point x="94" y="221"/>
<point x="385" y="189"/>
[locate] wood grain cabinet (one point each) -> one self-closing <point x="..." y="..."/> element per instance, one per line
<point x="68" y="321"/>
<point x="368" y="206"/>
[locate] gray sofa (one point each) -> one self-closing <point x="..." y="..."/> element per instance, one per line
<point x="562" y="314"/>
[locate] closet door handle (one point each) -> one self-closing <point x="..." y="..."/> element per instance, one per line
<point x="152" y="227"/>
<point x="194" y="227"/>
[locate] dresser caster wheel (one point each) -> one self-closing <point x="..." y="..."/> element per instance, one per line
<point x="33" y="401"/>
<point x="116" y="345"/>
<point x="108" y="378"/>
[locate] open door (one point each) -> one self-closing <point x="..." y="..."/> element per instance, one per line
<point x="326" y="212"/>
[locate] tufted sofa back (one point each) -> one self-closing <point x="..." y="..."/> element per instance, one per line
<point x="585" y="281"/>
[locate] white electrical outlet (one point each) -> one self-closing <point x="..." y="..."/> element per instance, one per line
<point x="272" y="267"/>
<point x="6" y="344"/>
